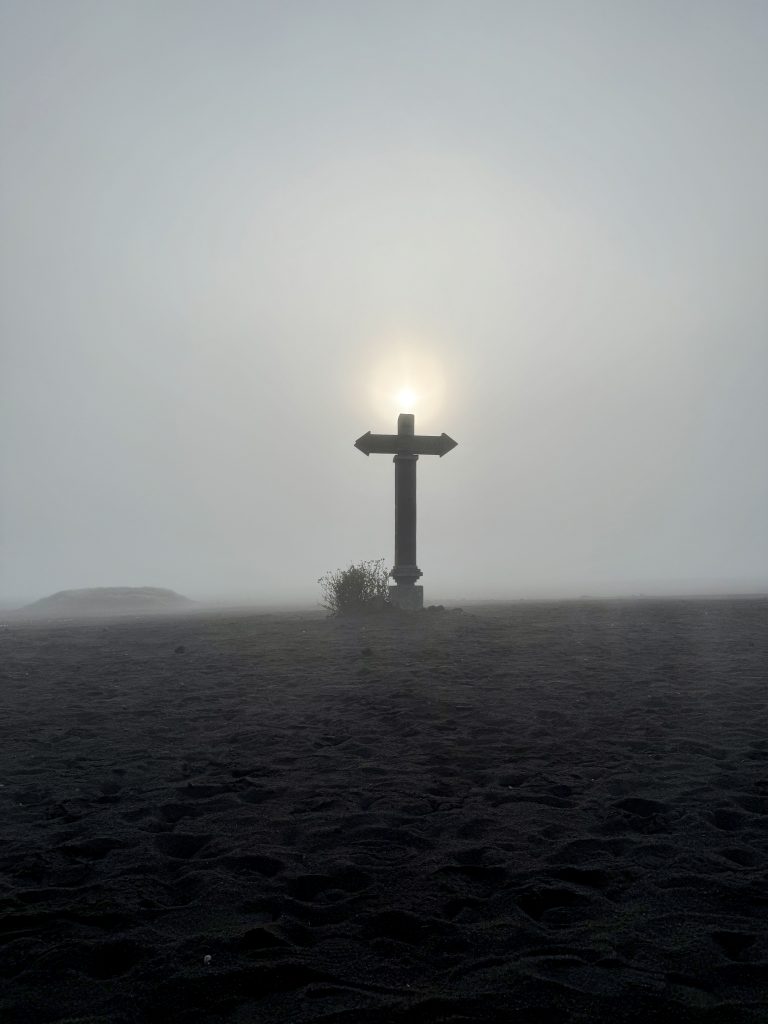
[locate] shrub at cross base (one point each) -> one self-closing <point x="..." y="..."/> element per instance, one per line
<point x="360" y="588"/>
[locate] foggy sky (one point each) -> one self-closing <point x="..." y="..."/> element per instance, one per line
<point x="228" y="227"/>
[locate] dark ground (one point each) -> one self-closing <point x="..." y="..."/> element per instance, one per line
<point x="536" y="813"/>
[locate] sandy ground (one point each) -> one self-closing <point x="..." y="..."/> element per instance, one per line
<point x="534" y="813"/>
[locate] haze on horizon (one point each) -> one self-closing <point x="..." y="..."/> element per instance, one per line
<point x="233" y="232"/>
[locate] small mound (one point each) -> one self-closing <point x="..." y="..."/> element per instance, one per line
<point x="95" y="601"/>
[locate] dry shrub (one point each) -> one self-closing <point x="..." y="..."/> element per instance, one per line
<point x="360" y="588"/>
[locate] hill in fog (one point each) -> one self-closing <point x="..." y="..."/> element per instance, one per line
<point x="108" y="601"/>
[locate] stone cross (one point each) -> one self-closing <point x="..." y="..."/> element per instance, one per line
<point x="406" y="446"/>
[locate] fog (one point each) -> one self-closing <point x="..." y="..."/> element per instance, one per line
<point x="233" y="231"/>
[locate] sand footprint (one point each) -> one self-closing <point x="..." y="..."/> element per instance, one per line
<point x="553" y="905"/>
<point x="329" y="887"/>
<point x="173" y="812"/>
<point x="181" y="845"/>
<point x="254" y="863"/>
<point x="734" y="944"/>
<point x="727" y="819"/>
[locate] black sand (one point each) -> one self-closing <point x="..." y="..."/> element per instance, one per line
<point x="535" y="813"/>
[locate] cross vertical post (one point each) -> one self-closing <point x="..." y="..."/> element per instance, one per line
<point x="405" y="572"/>
<point x="406" y="446"/>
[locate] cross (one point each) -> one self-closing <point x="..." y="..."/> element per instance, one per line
<point x="406" y="446"/>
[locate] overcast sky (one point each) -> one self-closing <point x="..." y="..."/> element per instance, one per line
<point x="231" y="231"/>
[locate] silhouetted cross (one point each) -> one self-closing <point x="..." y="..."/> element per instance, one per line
<point x="406" y="446"/>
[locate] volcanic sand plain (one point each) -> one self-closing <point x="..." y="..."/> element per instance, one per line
<point x="542" y="812"/>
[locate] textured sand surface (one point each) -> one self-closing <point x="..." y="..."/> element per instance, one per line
<point x="539" y="813"/>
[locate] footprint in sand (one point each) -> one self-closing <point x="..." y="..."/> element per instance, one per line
<point x="743" y="857"/>
<point x="180" y="845"/>
<point x="727" y="819"/>
<point x="552" y="905"/>
<point x="309" y="888"/>
<point x="254" y="863"/>
<point x="396" y="925"/>
<point x="753" y="804"/>
<point x="258" y="940"/>
<point x="639" y="807"/>
<point x="734" y="944"/>
<point x="172" y="812"/>
<point x="92" y="849"/>
<point x="102" y="961"/>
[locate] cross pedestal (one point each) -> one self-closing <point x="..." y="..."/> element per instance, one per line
<point x="410" y="597"/>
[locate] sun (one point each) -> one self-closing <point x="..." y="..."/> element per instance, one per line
<point x="407" y="376"/>
<point x="406" y="399"/>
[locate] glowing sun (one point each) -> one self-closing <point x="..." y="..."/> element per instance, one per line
<point x="406" y="399"/>
<point x="407" y="376"/>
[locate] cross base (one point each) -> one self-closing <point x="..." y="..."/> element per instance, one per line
<point x="409" y="597"/>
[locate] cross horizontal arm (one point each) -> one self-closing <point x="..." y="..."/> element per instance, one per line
<point x="404" y="444"/>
